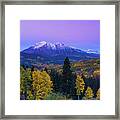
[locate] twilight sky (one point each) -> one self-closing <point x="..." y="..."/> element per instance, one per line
<point x="83" y="34"/>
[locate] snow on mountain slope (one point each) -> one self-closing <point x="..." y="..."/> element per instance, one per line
<point x="45" y="52"/>
<point x="48" y="45"/>
<point x="39" y="44"/>
<point x="91" y="51"/>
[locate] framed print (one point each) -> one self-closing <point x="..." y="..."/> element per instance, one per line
<point x="60" y="60"/>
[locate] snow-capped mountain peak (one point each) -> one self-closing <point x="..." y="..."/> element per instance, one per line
<point x="60" y="46"/>
<point x="91" y="51"/>
<point x="47" y="52"/>
<point x="51" y="45"/>
<point x="48" y="45"/>
<point x="40" y="44"/>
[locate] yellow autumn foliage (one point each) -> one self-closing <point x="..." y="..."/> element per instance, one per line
<point x="42" y="84"/>
<point x="30" y="95"/>
<point x="98" y="94"/>
<point x="89" y="93"/>
<point x="96" y="73"/>
<point x="80" y="85"/>
<point x="22" y="77"/>
<point x="25" y="78"/>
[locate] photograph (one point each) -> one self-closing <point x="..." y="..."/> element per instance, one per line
<point x="59" y="59"/>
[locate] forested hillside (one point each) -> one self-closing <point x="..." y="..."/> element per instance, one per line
<point x="69" y="81"/>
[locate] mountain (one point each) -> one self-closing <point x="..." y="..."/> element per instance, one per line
<point x="91" y="51"/>
<point x="46" y="53"/>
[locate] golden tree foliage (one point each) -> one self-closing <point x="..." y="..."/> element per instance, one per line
<point x="80" y="85"/>
<point x="22" y="77"/>
<point x="89" y="93"/>
<point x="25" y="79"/>
<point x="30" y="95"/>
<point x="98" y="94"/>
<point x="96" y="73"/>
<point x="42" y="85"/>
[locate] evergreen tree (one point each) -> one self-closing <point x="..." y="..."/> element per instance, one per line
<point x="32" y="68"/>
<point x="55" y="77"/>
<point x="68" y="81"/>
<point x="46" y="69"/>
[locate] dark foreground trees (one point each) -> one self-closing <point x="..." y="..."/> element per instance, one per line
<point x="68" y="79"/>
